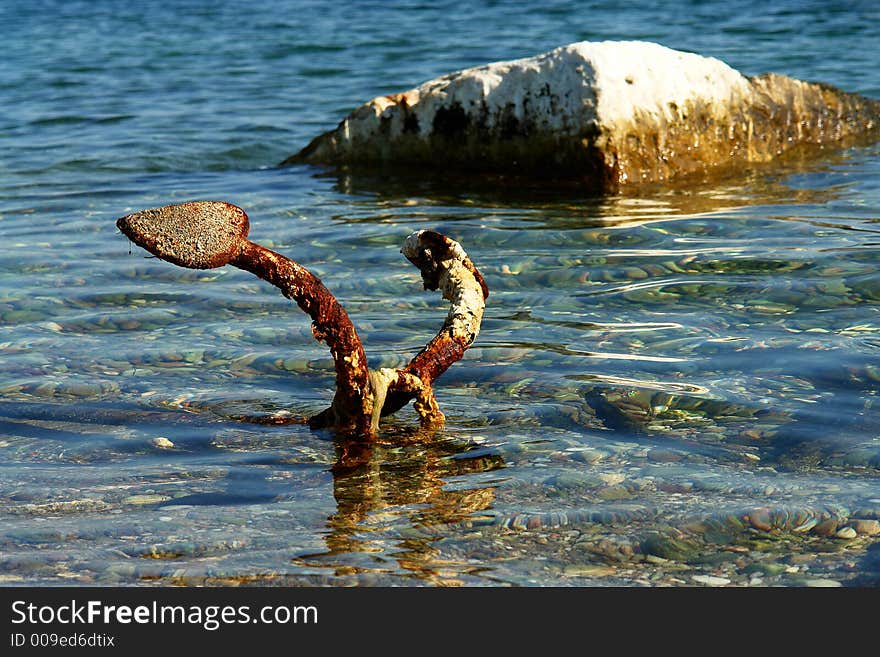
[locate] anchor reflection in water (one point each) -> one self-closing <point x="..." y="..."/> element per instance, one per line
<point x="406" y="477"/>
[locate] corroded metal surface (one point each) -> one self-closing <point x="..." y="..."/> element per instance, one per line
<point x="330" y="324"/>
<point x="207" y="234"/>
<point x="197" y="235"/>
<point x="445" y="266"/>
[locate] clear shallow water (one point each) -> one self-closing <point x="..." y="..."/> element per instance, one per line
<point x="671" y="385"/>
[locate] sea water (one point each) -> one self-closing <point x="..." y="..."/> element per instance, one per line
<point x="673" y="387"/>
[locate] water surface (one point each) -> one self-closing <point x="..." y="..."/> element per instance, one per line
<point x="675" y="387"/>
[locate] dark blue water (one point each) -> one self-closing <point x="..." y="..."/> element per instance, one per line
<point x="674" y="387"/>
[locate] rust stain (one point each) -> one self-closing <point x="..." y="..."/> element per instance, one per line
<point x="208" y="234"/>
<point x="438" y="248"/>
<point x="330" y="324"/>
<point x="196" y="235"/>
<point x="433" y="256"/>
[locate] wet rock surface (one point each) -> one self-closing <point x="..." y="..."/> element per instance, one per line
<point x="605" y="114"/>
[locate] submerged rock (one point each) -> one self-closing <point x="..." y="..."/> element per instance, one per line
<point x="605" y="113"/>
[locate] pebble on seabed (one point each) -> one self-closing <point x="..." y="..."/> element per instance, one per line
<point x="145" y="498"/>
<point x="866" y="527"/>
<point x="710" y="580"/>
<point x="822" y="583"/>
<point x="846" y="532"/>
<point x="161" y="442"/>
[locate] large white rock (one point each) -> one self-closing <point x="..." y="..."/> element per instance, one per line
<point x="607" y="113"/>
